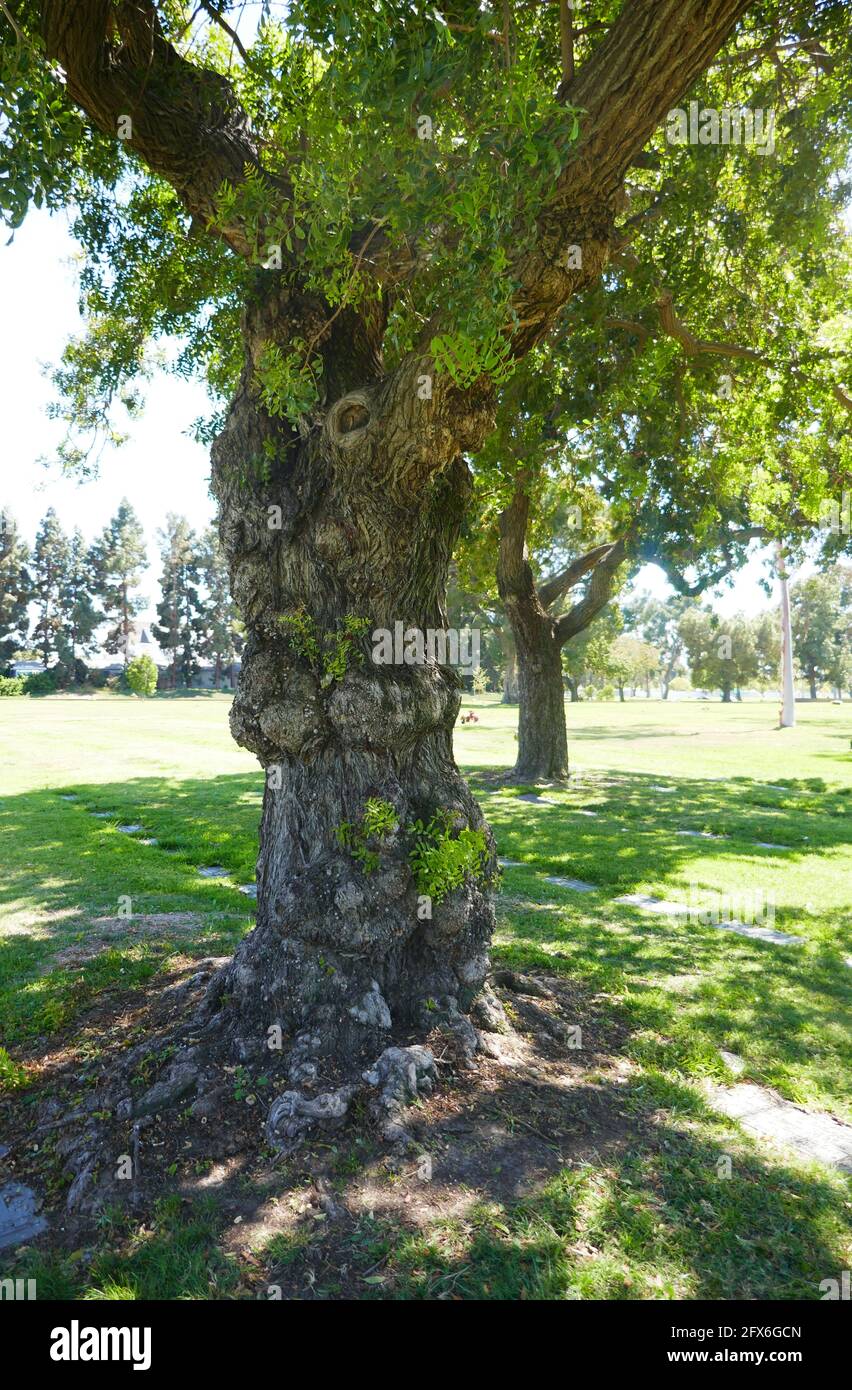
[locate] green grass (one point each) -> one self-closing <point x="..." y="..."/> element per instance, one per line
<point x="652" y="1221"/>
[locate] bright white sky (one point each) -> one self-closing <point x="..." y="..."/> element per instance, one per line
<point x="160" y="469"/>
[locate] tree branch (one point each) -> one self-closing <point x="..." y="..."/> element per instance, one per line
<point x="649" y="57"/>
<point x="554" y="588"/>
<point x="597" y="595"/>
<point x="223" y="24"/>
<point x="185" y="122"/>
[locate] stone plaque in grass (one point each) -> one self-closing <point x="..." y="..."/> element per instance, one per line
<point x="213" y="871"/>
<point x="577" y="884"/>
<point x="20" y="1219"/>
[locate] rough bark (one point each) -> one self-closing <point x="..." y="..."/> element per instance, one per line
<point x="341" y="957"/>
<point x="542" y="735"/>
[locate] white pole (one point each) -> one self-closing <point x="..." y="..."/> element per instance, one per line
<point x="788" y="695"/>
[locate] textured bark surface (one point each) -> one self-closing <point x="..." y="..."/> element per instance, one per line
<point x="340" y="956"/>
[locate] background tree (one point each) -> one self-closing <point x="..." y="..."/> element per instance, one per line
<point x="142" y="675"/>
<point x="820" y="616"/>
<point x="118" y="558"/>
<point x="721" y="651"/>
<point x="80" y="616"/>
<point x="767" y="647"/>
<point x="633" y="662"/>
<point x="656" y="621"/>
<point x="49" y="566"/>
<point x="14" y="588"/>
<point x="221" y="637"/>
<point x="393" y="201"/>
<point x="181" y="628"/>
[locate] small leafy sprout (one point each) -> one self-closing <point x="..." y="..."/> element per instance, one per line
<point x="441" y="860"/>
<point x="288" y="382"/>
<point x="329" y="655"/>
<point x="378" y="823"/>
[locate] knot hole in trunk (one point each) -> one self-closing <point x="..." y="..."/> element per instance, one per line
<point x="349" y="419"/>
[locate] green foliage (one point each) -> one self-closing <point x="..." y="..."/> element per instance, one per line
<point x="364" y="839"/>
<point x="41" y="683"/>
<point x="328" y="654"/>
<point x="301" y="633"/>
<point x="342" y="649"/>
<point x="11" y="685"/>
<point x="821" y="619"/>
<point x="182" y="610"/>
<point x="13" y="1077"/>
<point x="288" y="382"/>
<point x="722" y="652"/>
<point x="141" y="675"/>
<point x="465" y="360"/>
<point x="442" y="859"/>
<point x="14" y="587"/>
<point x="118" y="559"/>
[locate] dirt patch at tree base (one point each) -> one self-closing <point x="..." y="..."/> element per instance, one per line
<point x="549" y="1097"/>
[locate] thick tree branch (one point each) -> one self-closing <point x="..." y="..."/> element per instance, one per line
<point x="184" y="121"/>
<point x="676" y="328"/>
<point x="597" y="595"/>
<point x="650" y="56"/>
<point x="554" y="588"/>
<point x="675" y="573"/>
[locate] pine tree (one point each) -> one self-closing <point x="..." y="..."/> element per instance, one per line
<point x="180" y="630"/>
<point x="80" y="616"/>
<point x="119" y="558"/>
<point x="221" y="640"/>
<point x="50" y="560"/>
<point x="14" y="588"/>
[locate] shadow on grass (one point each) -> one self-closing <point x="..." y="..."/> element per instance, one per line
<point x="594" y="1190"/>
<point x="590" y="1191"/>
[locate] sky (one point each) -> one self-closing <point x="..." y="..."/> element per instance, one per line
<point x="160" y="469"/>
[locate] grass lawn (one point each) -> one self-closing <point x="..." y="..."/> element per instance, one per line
<point x="619" y="1199"/>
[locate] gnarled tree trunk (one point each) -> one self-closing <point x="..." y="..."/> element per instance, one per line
<point x="340" y="956"/>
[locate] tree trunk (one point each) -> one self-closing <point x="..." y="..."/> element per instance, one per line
<point x="621" y="693"/>
<point x="573" y="690"/>
<point x="542" y="735"/>
<point x="343" y="959"/>
<point x="510" y="676"/>
<point x="726" y="694"/>
<point x="812" y="684"/>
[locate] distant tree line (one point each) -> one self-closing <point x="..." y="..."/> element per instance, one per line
<point x="648" y="641"/>
<point x="64" y="599"/>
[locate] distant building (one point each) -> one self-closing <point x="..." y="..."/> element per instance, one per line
<point x="142" y="643"/>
